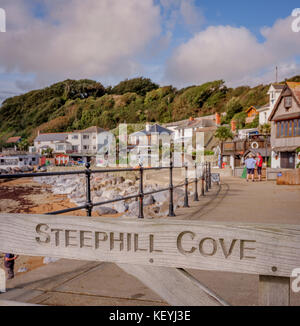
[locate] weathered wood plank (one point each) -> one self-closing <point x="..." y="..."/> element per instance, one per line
<point x="262" y="249"/>
<point x="2" y="281"/>
<point x="274" y="291"/>
<point x="175" y="286"/>
<point x="8" y="303"/>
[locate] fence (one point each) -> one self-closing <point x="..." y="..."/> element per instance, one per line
<point x="205" y="177"/>
<point x="158" y="252"/>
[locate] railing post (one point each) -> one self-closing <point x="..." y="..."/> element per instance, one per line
<point x="206" y="177"/>
<point x="89" y="205"/>
<point x="202" y="180"/>
<point x="196" y="198"/>
<point x="141" y="194"/>
<point x="171" y="205"/>
<point x="209" y="175"/>
<point x="186" y="198"/>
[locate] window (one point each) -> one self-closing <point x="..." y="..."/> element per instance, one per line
<point x="85" y="147"/>
<point x="278" y="129"/>
<point x="288" y="128"/>
<point x="290" y="133"/>
<point x="287" y="102"/>
<point x="75" y="137"/>
<point x="86" y="137"/>
<point x="60" y="147"/>
<point x="297" y="128"/>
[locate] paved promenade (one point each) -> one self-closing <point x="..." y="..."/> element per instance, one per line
<point x="67" y="282"/>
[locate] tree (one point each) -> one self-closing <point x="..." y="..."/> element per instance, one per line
<point x="139" y="86"/>
<point x="223" y="133"/>
<point x="48" y="152"/>
<point x="23" y="145"/>
<point x="265" y="129"/>
<point x="233" y="107"/>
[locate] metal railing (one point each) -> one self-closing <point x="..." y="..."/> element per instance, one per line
<point x="89" y="205"/>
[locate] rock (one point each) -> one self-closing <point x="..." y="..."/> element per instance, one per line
<point x="104" y="210"/>
<point x="161" y="197"/>
<point x="128" y="182"/>
<point x="120" y="179"/>
<point x="133" y="209"/>
<point x="148" y="200"/>
<point x="121" y="206"/>
<point x="164" y="209"/>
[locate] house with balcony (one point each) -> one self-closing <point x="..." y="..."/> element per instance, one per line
<point x="285" y="127"/>
<point x="79" y="144"/>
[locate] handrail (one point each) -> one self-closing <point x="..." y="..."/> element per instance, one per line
<point x="89" y="205"/>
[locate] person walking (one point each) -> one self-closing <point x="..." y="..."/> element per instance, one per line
<point x="250" y="163"/>
<point x="9" y="264"/>
<point x="259" y="164"/>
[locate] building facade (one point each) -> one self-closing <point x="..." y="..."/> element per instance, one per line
<point x="285" y="127"/>
<point x="85" y="141"/>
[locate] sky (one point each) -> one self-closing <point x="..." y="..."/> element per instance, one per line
<point x="173" y="42"/>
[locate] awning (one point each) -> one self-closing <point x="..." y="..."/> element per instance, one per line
<point x="288" y="116"/>
<point x="285" y="149"/>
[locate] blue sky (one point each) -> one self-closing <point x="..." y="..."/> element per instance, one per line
<point x="178" y="42"/>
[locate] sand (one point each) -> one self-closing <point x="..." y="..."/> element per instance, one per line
<point x="27" y="196"/>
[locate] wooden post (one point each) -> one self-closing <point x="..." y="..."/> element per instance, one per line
<point x="175" y="286"/>
<point x="274" y="291"/>
<point x="2" y="281"/>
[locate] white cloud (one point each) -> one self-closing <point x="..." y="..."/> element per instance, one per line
<point x="234" y="54"/>
<point x="182" y="12"/>
<point x="77" y="38"/>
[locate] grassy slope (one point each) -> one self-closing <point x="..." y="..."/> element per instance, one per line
<point x="72" y="105"/>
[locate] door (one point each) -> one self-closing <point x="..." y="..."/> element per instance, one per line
<point x="287" y="160"/>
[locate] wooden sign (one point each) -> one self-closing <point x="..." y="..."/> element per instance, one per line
<point x="263" y="249"/>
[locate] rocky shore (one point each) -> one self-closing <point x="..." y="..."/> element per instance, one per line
<point x="107" y="187"/>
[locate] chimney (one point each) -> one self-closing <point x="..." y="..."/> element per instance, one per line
<point x="233" y="125"/>
<point x="38" y="132"/>
<point x="218" y="119"/>
<point x="191" y="119"/>
<point x="147" y="126"/>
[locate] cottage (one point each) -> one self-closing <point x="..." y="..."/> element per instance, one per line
<point x="13" y="142"/>
<point x="251" y="114"/>
<point x="150" y="136"/>
<point x="285" y="127"/>
<point x="81" y="142"/>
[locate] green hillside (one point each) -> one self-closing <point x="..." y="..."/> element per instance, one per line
<point x="72" y="105"/>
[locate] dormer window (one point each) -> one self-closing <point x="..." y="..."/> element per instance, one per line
<point x="288" y="102"/>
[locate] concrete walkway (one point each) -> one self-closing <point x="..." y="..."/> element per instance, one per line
<point x="69" y="282"/>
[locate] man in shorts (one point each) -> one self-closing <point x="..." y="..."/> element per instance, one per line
<point x="250" y="163"/>
<point x="259" y="164"/>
